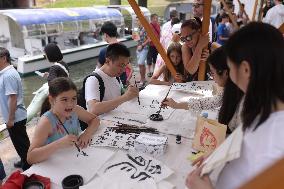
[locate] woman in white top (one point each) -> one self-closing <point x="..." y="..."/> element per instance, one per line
<point x="257" y="67"/>
<point x="228" y="99"/>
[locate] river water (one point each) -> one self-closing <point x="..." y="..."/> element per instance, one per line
<point x="77" y="73"/>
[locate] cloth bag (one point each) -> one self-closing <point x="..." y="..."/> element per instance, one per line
<point x="16" y="180"/>
<point x="209" y="134"/>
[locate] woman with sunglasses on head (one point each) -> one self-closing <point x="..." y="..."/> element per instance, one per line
<point x="59" y="127"/>
<point x="193" y="46"/>
<point x="259" y="73"/>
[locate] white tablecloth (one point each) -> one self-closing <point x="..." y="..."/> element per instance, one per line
<point x="180" y="122"/>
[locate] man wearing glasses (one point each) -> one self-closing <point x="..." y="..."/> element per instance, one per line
<point x="198" y="12"/>
<point x="117" y="58"/>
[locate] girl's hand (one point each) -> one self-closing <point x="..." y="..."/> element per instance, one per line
<point x="179" y="78"/>
<point x="203" y="41"/>
<point x="205" y="54"/>
<point x="195" y="181"/>
<point x="84" y="140"/>
<point x="67" y="141"/>
<point x="169" y="102"/>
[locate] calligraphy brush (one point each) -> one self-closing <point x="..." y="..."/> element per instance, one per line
<point x="136" y="87"/>
<point x="67" y="132"/>
<point x="158" y="112"/>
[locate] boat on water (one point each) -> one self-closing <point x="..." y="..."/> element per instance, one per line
<point x="25" y="33"/>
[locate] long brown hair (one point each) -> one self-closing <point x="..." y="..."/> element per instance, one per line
<point x="179" y="68"/>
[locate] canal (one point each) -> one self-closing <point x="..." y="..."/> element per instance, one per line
<point x="77" y="73"/>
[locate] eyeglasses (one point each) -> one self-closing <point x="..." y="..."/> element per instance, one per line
<point x="197" y="5"/>
<point x="188" y="37"/>
<point x="122" y="65"/>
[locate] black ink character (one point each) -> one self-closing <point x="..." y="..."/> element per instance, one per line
<point x="128" y="167"/>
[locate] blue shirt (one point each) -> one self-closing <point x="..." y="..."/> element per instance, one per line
<point x="72" y="125"/>
<point x="102" y="55"/>
<point x="10" y="83"/>
<point x="223" y="31"/>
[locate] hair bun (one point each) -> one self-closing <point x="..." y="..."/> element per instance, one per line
<point x="198" y="20"/>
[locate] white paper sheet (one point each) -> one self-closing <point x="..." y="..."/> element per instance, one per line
<point x="146" y="107"/>
<point x="116" y="140"/>
<point x="135" y="168"/>
<point x="230" y="149"/>
<point x="127" y="118"/>
<point x="104" y="183"/>
<point x="110" y="180"/>
<point x="157" y="92"/>
<point x="181" y="122"/>
<point x="65" y="162"/>
<point x="203" y="88"/>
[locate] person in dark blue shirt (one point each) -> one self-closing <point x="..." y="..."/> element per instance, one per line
<point x="109" y="34"/>
<point x="222" y="30"/>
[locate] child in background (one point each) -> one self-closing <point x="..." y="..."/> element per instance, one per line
<point x="59" y="127"/>
<point x="174" y="54"/>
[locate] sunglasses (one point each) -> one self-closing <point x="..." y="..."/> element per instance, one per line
<point x="188" y="37"/>
<point x="197" y="5"/>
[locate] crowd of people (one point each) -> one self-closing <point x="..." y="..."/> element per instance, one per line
<point x="248" y="66"/>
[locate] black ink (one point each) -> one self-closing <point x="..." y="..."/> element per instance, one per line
<point x="149" y="170"/>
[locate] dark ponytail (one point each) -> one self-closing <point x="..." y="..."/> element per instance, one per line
<point x="194" y="23"/>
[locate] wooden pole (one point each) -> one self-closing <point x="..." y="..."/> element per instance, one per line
<point x="152" y="36"/>
<point x="204" y="31"/>
<point x="270" y="178"/>
<point x="281" y="28"/>
<point x="260" y="12"/>
<point x="234" y="22"/>
<point x="254" y="10"/>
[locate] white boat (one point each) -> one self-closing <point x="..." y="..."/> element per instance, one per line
<point x="25" y="32"/>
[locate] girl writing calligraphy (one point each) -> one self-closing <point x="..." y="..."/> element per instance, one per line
<point x="59" y="127"/>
